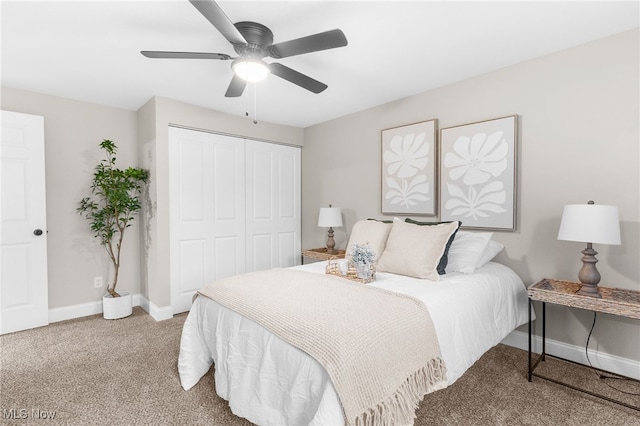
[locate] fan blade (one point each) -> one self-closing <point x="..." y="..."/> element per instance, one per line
<point x="295" y="77"/>
<point x="313" y="43"/>
<point x="216" y="16"/>
<point x="236" y="87"/>
<point x="185" y="55"/>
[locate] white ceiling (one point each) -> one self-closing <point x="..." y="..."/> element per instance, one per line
<point x="89" y="50"/>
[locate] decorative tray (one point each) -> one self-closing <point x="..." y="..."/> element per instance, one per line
<point x="333" y="268"/>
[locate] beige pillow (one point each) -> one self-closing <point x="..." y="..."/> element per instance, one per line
<point x="370" y="232"/>
<point x="415" y="250"/>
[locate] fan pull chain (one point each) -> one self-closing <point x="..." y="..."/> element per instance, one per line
<point x="246" y="106"/>
<point x="255" y="103"/>
<point x="254" y="87"/>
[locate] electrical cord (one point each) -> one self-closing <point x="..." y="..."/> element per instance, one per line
<point x="599" y="372"/>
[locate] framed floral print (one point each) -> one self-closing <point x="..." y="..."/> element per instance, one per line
<point x="409" y="169"/>
<point x="478" y="174"/>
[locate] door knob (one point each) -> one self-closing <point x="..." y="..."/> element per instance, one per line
<point x="37" y="232"/>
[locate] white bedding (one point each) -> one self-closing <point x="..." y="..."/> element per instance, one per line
<point x="269" y="382"/>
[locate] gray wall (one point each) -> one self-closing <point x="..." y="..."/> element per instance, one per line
<point x="72" y="132"/>
<point x="578" y="140"/>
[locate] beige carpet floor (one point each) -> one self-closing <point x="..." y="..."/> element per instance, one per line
<point x="91" y="371"/>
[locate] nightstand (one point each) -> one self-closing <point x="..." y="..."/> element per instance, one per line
<point x="614" y="301"/>
<point x="321" y="254"/>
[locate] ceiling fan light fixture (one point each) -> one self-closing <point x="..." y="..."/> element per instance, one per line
<point x="250" y="69"/>
<point x="252" y="42"/>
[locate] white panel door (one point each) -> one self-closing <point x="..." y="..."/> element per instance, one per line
<point x="227" y="192"/>
<point x="24" y="300"/>
<point x="273" y="205"/>
<point x="206" y="193"/>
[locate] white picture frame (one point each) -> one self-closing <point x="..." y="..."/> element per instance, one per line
<point x="410" y="169"/>
<point x="478" y="174"/>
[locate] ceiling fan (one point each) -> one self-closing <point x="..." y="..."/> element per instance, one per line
<point x="253" y="42"/>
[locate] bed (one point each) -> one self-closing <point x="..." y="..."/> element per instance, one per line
<point x="269" y="382"/>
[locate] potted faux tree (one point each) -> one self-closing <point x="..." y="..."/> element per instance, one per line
<point x="114" y="202"/>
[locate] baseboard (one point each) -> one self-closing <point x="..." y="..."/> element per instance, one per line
<point x="94" y="308"/>
<point x="615" y="364"/>
<point x="75" y="311"/>
<point x="158" y="314"/>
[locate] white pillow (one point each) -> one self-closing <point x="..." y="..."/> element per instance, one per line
<point x="372" y="232"/>
<point x="491" y="251"/>
<point x="466" y="251"/>
<point x="415" y="250"/>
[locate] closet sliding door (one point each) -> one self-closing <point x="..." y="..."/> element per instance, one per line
<point x="273" y="205"/>
<point x="207" y="211"/>
<point x="234" y="208"/>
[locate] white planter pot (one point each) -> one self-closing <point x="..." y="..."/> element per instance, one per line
<point x="117" y="307"/>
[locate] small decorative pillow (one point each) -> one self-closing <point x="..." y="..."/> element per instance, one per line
<point x="442" y="265"/>
<point x="415" y="250"/>
<point x="466" y="250"/>
<point x="372" y="232"/>
<point x="491" y="251"/>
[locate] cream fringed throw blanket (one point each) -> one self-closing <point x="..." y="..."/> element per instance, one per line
<point x="379" y="348"/>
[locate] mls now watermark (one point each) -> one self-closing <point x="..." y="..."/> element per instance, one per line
<point x="25" y="414"/>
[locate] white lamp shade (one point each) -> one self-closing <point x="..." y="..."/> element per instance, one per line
<point x="590" y="223"/>
<point x="329" y="217"/>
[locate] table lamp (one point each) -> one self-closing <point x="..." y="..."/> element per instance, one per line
<point x="590" y="223"/>
<point x="330" y="217"/>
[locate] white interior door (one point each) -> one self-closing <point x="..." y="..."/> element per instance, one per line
<point x="207" y="211"/>
<point x="24" y="300"/>
<point x="273" y="205"/>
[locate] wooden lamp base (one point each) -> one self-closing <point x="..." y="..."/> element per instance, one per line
<point x="589" y="275"/>
<point x="331" y="244"/>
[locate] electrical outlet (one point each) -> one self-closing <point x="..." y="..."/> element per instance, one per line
<point x="97" y="282"/>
